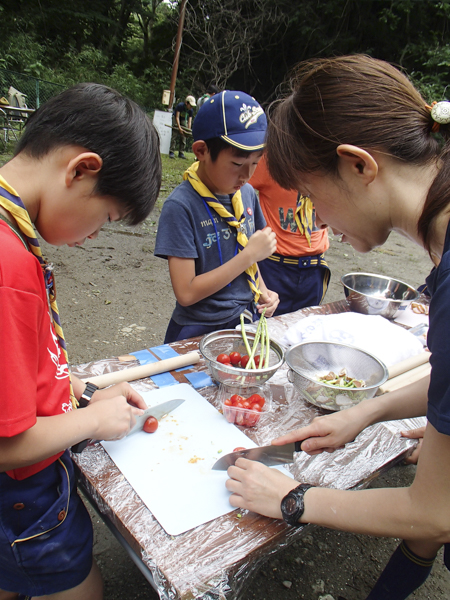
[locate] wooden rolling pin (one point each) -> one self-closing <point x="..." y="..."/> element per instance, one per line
<point x="410" y="363"/>
<point x="162" y="366"/>
<point x="405" y="378"/>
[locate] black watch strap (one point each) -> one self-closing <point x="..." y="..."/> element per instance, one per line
<point x="82" y="403"/>
<point x="87" y="395"/>
<point x="293" y="506"/>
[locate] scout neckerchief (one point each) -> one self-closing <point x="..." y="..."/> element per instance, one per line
<point x="304" y="216"/>
<point x="11" y="202"/>
<point x="237" y="220"/>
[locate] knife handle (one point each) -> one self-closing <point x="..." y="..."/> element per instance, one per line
<point x="77" y="448"/>
<point x="298" y="446"/>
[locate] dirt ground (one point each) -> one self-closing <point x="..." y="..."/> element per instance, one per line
<point x="115" y="297"/>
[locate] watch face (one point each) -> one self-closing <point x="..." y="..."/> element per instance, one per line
<point x="290" y="505"/>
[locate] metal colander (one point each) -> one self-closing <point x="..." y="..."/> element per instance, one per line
<point x="230" y="340"/>
<point x="309" y="361"/>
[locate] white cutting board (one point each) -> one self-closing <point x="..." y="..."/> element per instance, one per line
<point x="171" y="468"/>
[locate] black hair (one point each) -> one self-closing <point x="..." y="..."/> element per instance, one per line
<point x="103" y="121"/>
<point x="212" y="89"/>
<point x="217" y="145"/>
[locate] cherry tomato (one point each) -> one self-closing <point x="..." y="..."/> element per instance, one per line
<point x="228" y="402"/>
<point x="151" y="425"/>
<point x="246" y="404"/>
<point x="239" y="448"/>
<point x="257" y="407"/>
<point x="257" y="358"/>
<point x="244" y="360"/>
<point x="235" y="358"/>
<point x="224" y="359"/>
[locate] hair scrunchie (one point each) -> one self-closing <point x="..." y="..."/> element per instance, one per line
<point x="440" y="113"/>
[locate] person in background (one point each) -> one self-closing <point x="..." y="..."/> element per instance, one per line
<point x="211" y="228"/>
<point x="181" y="117"/>
<point x="211" y="90"/>
<point x="297" y="271"/>
<point x="374" y="157"/>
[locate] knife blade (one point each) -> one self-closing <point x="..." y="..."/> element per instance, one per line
<point x="159" y="411"/>
<point x="268" y="455"/>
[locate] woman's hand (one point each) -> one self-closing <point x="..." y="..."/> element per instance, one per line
<point x="414" y="434"/>
<point x="326" y="433"/>
<point x="120" y="389"/>
<point x="258" y="488"/>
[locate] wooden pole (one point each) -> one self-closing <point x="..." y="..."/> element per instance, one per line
<point x="176" y="58"/>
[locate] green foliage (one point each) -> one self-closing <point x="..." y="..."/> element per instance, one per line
<point x="238" y="44"/>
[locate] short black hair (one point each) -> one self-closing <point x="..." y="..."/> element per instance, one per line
<point x="212" y="89"/>
<point x="217" y="145"/>
<point x="103" y="121"/>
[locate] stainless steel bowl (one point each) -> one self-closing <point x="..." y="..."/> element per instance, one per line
<point x="230" y="340"/>
<point x="371" y="294"/>
<point x="310" y="361"/>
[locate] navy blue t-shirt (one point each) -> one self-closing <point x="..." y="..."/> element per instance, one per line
<point x="438" y="284"/>
<point x="186" y="230"/>
<point x="183" y="110"/>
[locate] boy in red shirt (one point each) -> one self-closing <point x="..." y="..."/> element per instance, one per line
<point x="86" y="157"/>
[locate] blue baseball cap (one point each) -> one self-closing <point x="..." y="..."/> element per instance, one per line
<point x="235" y="117"/>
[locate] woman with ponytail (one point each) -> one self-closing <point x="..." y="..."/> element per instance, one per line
<point x="358" y="139"/>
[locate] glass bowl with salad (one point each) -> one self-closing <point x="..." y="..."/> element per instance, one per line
<point x="334" y="376"/>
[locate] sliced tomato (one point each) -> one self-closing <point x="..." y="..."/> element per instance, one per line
<point x="239" y="448"/>
<point x="151" y="425"/>
<point x="256" y="399"/>
<point x="251" y="419"/>
<point x="224" y="359"/>
<point x="235" y="399"/>
<point x="235" y="358"/>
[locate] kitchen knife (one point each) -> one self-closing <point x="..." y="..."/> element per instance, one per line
<point x="268" y="455"/>
<point x="159" y="411"/>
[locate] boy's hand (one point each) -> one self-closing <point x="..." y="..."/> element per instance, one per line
<point x="113" y="417"/>
<point x="261" y="244"/>
<point x="268" y="300"/>
<point x="120" y="389"/>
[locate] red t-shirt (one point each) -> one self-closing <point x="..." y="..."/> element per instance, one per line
<point x="278" y="206"/>
<point x="34" y="374"/>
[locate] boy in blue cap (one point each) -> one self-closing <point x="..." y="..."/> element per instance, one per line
<point x="87" y="156"/>
<point x="212" y="229"/>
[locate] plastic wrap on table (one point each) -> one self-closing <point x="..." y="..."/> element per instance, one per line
<point x="215" y="560"/>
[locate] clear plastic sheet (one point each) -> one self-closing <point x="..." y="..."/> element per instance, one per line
<point x="216" y="560"/>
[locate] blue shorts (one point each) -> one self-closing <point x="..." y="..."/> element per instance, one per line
<point x="46" y="532"/>
<point x="299" y="282"/>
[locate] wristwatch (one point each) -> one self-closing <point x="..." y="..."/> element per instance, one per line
<point x="292" y="505"/>
<point x="86" y="396"/>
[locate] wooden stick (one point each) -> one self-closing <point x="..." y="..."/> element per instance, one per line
<point x="405" y="378"/>
<point x="408" y="364"/>
<point x="162" y="366"/>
